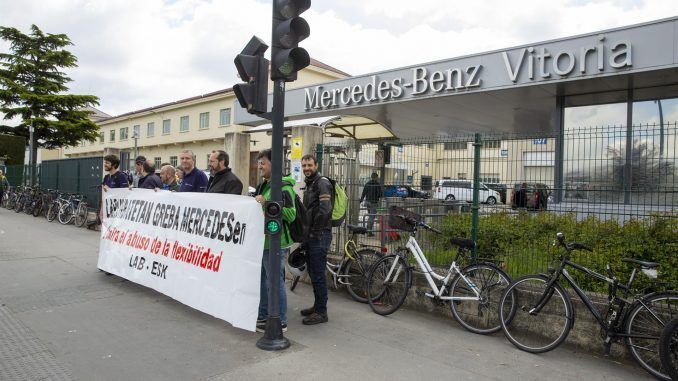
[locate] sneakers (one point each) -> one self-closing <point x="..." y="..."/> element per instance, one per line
<point x="307" y="311"/>
<point x="315" y="318"/>
<point x="261" y="326"/>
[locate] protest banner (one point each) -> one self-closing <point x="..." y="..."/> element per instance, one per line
<point x="201" y="249"/>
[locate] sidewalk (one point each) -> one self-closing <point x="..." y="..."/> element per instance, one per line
<point x="62" y="319"/>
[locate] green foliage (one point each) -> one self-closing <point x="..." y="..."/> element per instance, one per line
<point x="33" y="88"/>
<point x="12" y="148"/>
<point x="524" y="243"/>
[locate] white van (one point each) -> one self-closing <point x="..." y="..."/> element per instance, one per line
<point x="463" y="190"/>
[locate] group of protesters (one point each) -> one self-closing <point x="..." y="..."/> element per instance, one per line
<point x="318" y="200"/>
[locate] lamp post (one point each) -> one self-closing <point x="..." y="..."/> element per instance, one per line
<point x="661" y="128"/>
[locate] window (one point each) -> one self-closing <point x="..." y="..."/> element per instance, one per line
<point x="173" y="161"/>
<point x="492" y="144"/>
<point x="101" y="138"/>
<point x="208" y="161"/>
<point x="489" y="178"/>
<point x="82" y="143"/>
<point x="166" y="126"/>
<point x="455" y="146"/>
<point x="225" y="117"/>
<point x="136" y="131"/>
<point x="112" y="136"/>
<point x="123" y="133"/>
<point x="150" y="129"/>
<point x="204" y="120"/>
<point x="157" y="161"/>
<point x="461" y="175"/>
<point x="183" y="124"/>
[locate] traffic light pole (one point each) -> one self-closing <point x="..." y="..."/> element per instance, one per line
<point x="273" y="338"/>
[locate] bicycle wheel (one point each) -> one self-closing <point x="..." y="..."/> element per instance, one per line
<point x="479" y="315"/>
<point x="19" y="204"/>
<point x="388" y="283"/>
<point x="356" y="272"/>
<point x="52" y="212"/>
<point x="11" y="200"/>
<point x="648" y="319"/>
<point x="3" y="201"/>
<point x="530" y="330"/>
<point x="28" y="206"/>
<point x="668" y="349"/>
<point x="65" y="214"/>
<point x="37" y="208"/>
<point x="80" y="216"/>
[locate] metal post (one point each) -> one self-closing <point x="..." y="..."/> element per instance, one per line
<point x="476" y="190"/>
<point x="629" y="148"/>
<point x="273" y="338"/>
<point x="661" y="130"/>
<point x="31" y="159"/>
<point x="135" y="136"/>
<point x="560" y="150"/>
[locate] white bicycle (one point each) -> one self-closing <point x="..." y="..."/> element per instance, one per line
<point x="473" y="291"/>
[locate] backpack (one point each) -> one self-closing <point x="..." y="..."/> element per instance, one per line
<point x="297" y="229"/>
<point x="339" y="204"/>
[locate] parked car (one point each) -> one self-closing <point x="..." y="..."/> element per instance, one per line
<point x="530" y="196"/>
<point x="502" y="189"/>
<point x="463" y="190"/>
<point x="404" y="191"/>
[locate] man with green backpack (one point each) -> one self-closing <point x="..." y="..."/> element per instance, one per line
<point x="325" y="203"/>
<point x="289" y="214"/>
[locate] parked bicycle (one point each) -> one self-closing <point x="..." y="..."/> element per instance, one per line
<point x="472" y="291"/>
<point x="67" y="209"/>
<point x="668" y="349"/>
<point x="352" y="270"/>
<point x="537" y="313"/>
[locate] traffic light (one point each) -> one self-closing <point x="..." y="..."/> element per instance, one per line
<point x="288" y="30"/>
<point x="253" y="69"/>
<point x="273" y="212"/>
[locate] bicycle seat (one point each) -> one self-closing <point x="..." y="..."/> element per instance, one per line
<point x="464" y="243"/>
<point x="643" y="264"/>
<point x="356" y="229"/>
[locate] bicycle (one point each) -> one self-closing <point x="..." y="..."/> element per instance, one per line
<point x="668" y="349"/>
<point x="544" y="314"/>
<point x="67" y="209"/>
<point x="354" y="266"/>
<point x="472" y="291"/>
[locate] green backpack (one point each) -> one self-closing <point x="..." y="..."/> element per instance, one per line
<point x="340" y="203"/>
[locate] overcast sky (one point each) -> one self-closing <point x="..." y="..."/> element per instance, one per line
<point x="134" y="54"/>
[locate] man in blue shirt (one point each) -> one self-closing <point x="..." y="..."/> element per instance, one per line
<point x="114" y="178"/>
<point x="195" y="180"/>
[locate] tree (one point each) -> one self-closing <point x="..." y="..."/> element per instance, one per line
<point x="648" y="169"/>
<point x="33" y="87"/>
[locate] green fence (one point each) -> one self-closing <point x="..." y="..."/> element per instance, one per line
<point x="582" y="182"/>
<point x="80" y="175"/>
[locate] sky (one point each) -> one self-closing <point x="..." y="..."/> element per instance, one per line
<point x="135" y="54"/>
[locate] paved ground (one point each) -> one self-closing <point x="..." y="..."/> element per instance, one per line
<point x="61" y="319"/>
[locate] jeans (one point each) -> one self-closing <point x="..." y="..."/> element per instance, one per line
<point x="316" y="248"/>
<point x="263" y="293"/>
<point x="372" y="210"/>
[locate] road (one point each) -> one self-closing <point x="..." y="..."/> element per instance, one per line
<point x="62" y="319"/>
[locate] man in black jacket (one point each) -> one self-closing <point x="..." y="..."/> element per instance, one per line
<point x="222" y="179"/>
<point x="372" y="192"/>
<point x="149" y="180"/>
<point x="318" y="199"/>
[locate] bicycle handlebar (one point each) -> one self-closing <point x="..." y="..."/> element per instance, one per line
<point x="423" y="224"/>
<point x="572" y="245"/>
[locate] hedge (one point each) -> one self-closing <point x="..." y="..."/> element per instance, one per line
<point x="523" y="244"/>
<point x="13" y="148"/>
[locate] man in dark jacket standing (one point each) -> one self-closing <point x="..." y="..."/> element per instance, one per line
<point x="372" y="192"/>
<point x="318" y="199"/>
<point x="148" y="179"/>
<point x="222" y="179"/>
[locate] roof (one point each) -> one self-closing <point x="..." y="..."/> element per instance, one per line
<point x="96" y="114"/>
<point x="107" y="117"/>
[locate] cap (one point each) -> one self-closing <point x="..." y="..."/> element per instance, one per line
<point x="140" y="159"/>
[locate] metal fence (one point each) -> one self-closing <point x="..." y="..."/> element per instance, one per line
<point x="80" y="175"/>
<point x="583" y="182"/>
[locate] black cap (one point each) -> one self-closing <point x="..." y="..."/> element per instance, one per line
<point x="140" y="159"/>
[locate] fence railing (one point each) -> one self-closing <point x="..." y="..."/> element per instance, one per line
<point x="583" y="182"/>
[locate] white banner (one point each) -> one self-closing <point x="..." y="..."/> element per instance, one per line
<point x="202" y="249"/>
